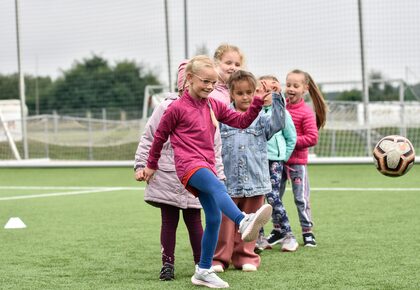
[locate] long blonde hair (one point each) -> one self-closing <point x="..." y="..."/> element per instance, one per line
<point x="196" y="63"/>
<point x="193" y="67"/>
<point x="320" y="107"/>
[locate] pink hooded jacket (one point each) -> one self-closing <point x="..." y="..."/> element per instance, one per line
<point x="306" y="130"/>
<point x="221" y="93"/>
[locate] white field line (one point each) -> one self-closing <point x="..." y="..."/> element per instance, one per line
<point x="90" y="190"/>
<point x="69" y="187"/>
<point x="365" y="189"/>
<point x="87" y="190"/>
<point x="142" y="188"/>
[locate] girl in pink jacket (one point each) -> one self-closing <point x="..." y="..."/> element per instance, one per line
<point x="298" y="83"/>
<point x="190" y="122"/>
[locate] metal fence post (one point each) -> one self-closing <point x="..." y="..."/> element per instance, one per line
<point x="90" y="137"/>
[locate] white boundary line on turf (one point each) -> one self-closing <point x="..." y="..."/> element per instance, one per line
<point x="108" y="189"/>
<point x="365" y="189"/>
<point x="72" y="187"/>
<point x="142" y="188"/>
<point x="91" y="190"/>
<point x="53" y="194"/>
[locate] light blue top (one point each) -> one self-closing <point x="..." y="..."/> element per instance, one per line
<point x="281" y="145"/>
<point x="244" y="152"/>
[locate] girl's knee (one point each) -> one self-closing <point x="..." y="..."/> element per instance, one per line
<point x="213" y="220"/>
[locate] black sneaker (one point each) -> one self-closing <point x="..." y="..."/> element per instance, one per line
<point x="275" y="237"/>
<point x="309" y="240"/>
<point x="167" y="273"/>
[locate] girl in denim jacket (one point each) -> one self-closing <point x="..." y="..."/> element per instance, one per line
<point x="244" y="154"/>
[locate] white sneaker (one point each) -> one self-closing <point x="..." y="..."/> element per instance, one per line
<point x="249" y="268"/>
<point x="218" y="268"/>
<point x="208" y="278"/>
<point x="252" y="223"/>
<point x="289" y="243"/>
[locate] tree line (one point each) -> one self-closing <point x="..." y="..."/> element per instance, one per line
<point x="90" y="84"/>
<point x="93" y="84"/>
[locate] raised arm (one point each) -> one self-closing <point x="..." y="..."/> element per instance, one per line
<point x="276" y="121"/>
<point x="240" y="120"/>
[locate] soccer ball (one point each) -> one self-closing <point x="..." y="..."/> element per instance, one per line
<point x="394" y="155"/>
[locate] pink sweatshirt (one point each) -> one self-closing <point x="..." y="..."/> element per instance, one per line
<point x="221" y="93"/>
<point x="306" y="130"/>
<point x="188" y="123"/>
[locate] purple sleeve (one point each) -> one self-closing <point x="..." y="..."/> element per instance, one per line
<point x="166" y="125"/>
<point x="236" y="119"/>
<point x="146" y="139"/>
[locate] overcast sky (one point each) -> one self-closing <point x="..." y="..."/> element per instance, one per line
<point x="321" y="37"/>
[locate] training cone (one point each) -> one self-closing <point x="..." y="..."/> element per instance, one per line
<point x="15" y="223"/>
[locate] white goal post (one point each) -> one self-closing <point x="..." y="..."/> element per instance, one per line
<point x="10" y="112"/>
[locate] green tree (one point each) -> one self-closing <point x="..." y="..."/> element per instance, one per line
<point x="378" y="91"/>
<point x="37" y="90"/>
<point x="93" y="84"/>
<point x="352" y="95"/>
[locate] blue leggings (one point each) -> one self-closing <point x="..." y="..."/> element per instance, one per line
<point x="215" y="201"/>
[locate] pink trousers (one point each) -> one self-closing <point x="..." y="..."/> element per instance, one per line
<point x="230" y="247"/>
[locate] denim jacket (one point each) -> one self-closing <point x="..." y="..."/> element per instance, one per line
<point x="244" y="152"/>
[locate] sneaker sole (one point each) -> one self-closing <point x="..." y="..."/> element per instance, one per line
<point x="263" y="215"/>
<point x="276" y="242"/>
<point x="290" y="250"/>
<point x="310" y="245"/>
<point x="204" y="283"/>
<point x="260" y="249"/>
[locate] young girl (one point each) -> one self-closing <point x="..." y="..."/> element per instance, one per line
<point x="298" y="83"/>
<point x="169" y="194"/>
<point x="280" y="147"/>
<point x="228" y="59"/>
<point x="191" y="122"/>
<point x="244" y="154"/>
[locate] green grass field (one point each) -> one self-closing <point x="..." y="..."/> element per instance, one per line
<point x="90" y="229"/>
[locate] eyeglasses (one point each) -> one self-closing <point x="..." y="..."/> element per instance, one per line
<point x="206" y="82"/>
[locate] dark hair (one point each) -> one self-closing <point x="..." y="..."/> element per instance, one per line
<point x="241" y="75"/>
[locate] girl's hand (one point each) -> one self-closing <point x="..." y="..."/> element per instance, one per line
<point x="148" y="174"/>
<point x="139" y="175"/>
<point x="263" y="91"/>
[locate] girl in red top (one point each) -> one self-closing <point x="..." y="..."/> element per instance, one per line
<point x="191" y="122"/>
